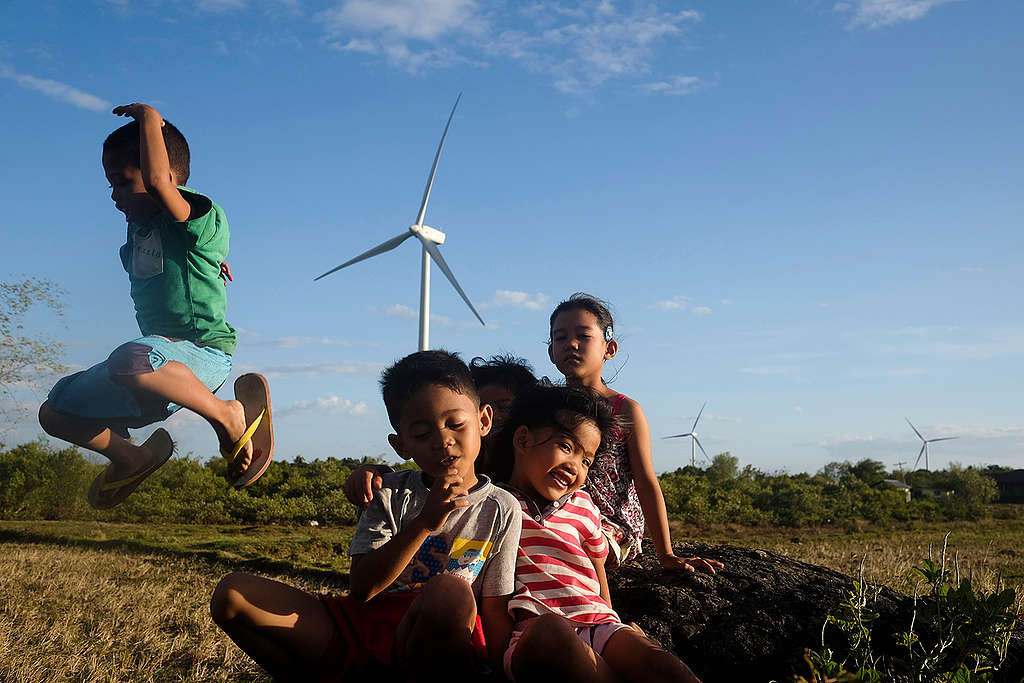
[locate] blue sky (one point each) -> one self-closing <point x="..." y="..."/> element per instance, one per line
<point x="805" y="213"/>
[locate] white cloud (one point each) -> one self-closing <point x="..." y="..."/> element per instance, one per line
<point x="515" y="299"/>
<point x="872" y="14"/>
<point x="330" y="405"/>
<point x="400" y="311"/>
<point x="424" y="20"/>
<point x="251" y="338"/>
<point x="680" y="303"/>
<point x="319" y="369"/>
<point x="219" y="6"/>
<point x="677" y="85"/>
<point x="578" y="46"/>
<point x="676" y="303"/>
<point x="56" y="90"/>
<point x="413" y="35"/>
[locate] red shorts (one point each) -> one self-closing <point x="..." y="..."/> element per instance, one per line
<point x="368" y="628"/>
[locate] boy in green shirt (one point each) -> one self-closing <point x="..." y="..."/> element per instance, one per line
<point x="174" y="255"/>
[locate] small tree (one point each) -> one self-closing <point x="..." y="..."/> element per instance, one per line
<point x="24" y="357"/>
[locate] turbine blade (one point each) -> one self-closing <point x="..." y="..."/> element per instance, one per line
<point x="677" y="436"/>
<point x="943" y="438"/>
<point x="435" y="254"/>
<point x="914" y="428"/>
<point x="919" y="454"/>
<point x="694" y="427"/>
<point x="433" y="169"/>
<point x="702" y="448"/>
<point x="379" y="249"/>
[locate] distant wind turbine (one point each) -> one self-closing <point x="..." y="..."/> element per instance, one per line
<point x="429" y="238"/>
<point x="924" y="444"/>
<point x="695" y="442"/>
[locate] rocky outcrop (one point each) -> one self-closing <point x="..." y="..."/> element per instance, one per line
<point x="751" y="621"/>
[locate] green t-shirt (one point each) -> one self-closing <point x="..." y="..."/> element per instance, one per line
<point x="174" y="268"/>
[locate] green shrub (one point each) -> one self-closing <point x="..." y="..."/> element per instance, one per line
<point x="954" y="634"/>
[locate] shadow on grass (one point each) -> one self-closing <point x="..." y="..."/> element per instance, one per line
<point x="216" y="558"/>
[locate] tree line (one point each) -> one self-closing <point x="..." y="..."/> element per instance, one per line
<point x="38" y="481"/>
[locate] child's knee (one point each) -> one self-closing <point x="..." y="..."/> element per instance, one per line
<point x="52" y="422"/>
<point x="446" y="596"/>
<point x="228" y="598"/>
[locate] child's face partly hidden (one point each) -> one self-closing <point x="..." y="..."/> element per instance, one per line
<point x="552" y="462"/>
<point x="578" y="347"/>
<point x="440" y="429"/>
<point x="128" y="190"/>
<point x="500" y="400"/>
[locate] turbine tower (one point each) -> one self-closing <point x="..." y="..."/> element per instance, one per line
<point x="429" y="238"/>
<point x="924" y="444"/>
<point x="694" y="441"/>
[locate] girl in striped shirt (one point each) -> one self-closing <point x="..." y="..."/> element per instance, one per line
<point x="563" y="625"/>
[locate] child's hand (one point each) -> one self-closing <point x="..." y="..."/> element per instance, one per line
<point x="138" y="111"/>
<point x="225" y="274"/>
<point x="446" y="495"/>
<point x="363" y="482"/>
<point x="689" y="564"/>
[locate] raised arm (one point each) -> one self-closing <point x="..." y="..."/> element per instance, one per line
<point x="652" y="501"/>
<point x="153" y="162"/>
<point x="376" y="570"/>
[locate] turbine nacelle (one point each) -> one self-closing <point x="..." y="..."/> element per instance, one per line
<point x="428" y="233"/>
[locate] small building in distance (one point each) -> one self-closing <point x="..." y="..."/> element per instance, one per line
<point x="1011" y="486"/>
<point x="895" y="484"/>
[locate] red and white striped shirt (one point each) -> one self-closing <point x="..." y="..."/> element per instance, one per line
<point x="554" y="572"/>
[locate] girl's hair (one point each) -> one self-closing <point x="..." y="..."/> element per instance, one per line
<point x="559" y="407"/>
<point x="586" y="302"/>
<point x="504" y="370"/>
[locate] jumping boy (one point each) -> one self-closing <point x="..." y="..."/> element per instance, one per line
<point x="433" y="556"/>
<point x="174" y="254"/>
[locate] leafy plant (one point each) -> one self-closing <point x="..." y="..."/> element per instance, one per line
<point x="955" y="634"/>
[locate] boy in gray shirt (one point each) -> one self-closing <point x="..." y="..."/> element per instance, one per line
<point x="433" y="557"/>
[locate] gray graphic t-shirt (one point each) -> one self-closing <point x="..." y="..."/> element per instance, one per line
<point x="477" y="543"/>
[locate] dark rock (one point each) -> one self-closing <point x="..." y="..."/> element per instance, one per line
<point x="753" y="619"/>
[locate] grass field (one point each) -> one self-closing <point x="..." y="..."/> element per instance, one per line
<point x="86" y="601"/>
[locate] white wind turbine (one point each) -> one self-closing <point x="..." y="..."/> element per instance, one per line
<point x="694" y="442"/>
<point x="429" y="238"/>
<point x="924" y="444"/>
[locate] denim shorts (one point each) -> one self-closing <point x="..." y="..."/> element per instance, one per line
<point x="95" y="394"/>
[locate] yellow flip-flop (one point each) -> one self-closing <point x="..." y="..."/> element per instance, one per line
<point x="105" y="494"/>
<point x="253" y="392"/>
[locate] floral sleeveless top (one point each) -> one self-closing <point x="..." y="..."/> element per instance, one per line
<point x="610" y="485"/>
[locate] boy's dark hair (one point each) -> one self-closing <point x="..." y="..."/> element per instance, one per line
<point x="124" y="142"/>
<point x="399" y="382"/>
<point x="505" y="370"/>
<point x="546" y="406"/>
<point x="586" y="302"/>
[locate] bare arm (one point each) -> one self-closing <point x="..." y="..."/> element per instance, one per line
<point x="652" y="501"/>
<point x="153" y="162"/>
<point x="497" y="623"/>
<point x="378" y="569"/>
<point x="602" y="577"/>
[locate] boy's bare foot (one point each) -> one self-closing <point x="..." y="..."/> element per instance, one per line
<point x="228" y="435"/>
<point x="248" y="429"/>
<point x="116" y="482"/>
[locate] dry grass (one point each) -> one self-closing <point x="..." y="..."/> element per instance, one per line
<point x="990" y="552"/>
<point x="79" y="614"/>
<point x="96" y="602"/>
